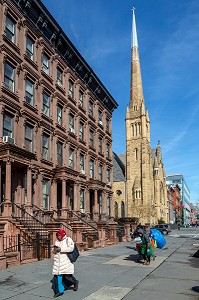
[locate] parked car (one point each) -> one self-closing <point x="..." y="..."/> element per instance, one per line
<point x="163" y="228"/>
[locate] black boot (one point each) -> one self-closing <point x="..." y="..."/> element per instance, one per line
<point x="76" y="286"/>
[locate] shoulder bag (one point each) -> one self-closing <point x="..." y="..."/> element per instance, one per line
<point x="73" y="255"/>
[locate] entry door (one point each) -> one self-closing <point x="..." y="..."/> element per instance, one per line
<point x="59" y="198"/>
<point x="91" y="203"/>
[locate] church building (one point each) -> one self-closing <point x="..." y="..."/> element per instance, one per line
<point x="139" y="176"/>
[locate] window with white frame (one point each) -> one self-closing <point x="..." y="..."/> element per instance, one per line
<point x="90" y="108"/>
<point x="81" y="99"/>
<point x="46" y="104"/>
<point x="108" y="206"/>
<point x="45" y="147"/>
<point x="81" y="199"/>
<point x="46" y="64"/>
<point x="100" y="203"/>
<point x="59" y="153"/>
<point x="59" y="114"/>
<point x="92" y="169"/>
<point x="71" y="89"/>
<point x="9" y="77"/>
<point x="30" y="48"/>
<point x="29" y="134"/>
<point x="100" y="172"/>
<point x="46" y="193"/>
<point x="59" y="77"/>
<point x="81" y="162"/>
<point x="100" y="145"/>
<point x="29" y="92"/>
<point x="10" y="29"/>
<point x="91" y="138"/>
<point x="71" y="158"/>
<point x="81" y="131"/>
<point x="8" y="125"/>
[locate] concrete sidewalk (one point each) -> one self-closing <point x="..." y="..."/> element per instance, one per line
<point x="112" y="273"/>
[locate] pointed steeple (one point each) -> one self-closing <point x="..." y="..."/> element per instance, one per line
<point x="136" y="93"/>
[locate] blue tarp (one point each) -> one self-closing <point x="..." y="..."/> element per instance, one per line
<point x="158" y="236"/>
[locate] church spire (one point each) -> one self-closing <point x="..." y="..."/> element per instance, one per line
<point x="136" y="93"/>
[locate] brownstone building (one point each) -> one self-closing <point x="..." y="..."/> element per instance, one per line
<point x="56" y="116"/>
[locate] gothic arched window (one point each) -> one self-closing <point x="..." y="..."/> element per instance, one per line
<point x="122" y="210"/>
<point x="116" y="209"/>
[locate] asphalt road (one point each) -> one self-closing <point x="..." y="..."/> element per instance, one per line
<point x="113" y="273"/>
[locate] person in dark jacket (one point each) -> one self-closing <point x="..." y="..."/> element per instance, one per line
<point x="146" y="250"/>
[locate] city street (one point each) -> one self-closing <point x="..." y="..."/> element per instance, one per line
<point x="113" y="273"/>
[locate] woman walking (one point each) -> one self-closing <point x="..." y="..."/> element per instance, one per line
<point x="63" y="269"/>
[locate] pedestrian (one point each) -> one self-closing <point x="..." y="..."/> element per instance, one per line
<point x="63" y="269"/>
<point x="146" y="250"/>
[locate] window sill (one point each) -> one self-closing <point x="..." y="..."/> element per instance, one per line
<point x="10" y="93"/>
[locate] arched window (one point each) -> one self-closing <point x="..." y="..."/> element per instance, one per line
<point x="161" y="193"/>
<point x="122" y="210"/>
<point x="116" y="209"/>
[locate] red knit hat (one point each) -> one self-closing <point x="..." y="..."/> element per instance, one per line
<point x="61" y="232"/>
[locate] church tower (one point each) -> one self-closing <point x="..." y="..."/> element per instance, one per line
<point x="139" y="170"/>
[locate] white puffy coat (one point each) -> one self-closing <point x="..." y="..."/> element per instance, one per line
<point x="62" y="264"/>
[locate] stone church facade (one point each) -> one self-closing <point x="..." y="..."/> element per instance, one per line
<point x="139" y="176"/>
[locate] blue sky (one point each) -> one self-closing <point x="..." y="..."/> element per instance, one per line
<point x="168" y="39"/>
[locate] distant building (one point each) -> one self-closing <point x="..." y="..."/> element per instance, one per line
<point x="139" y="176"/>
<point x="178" y="179"/>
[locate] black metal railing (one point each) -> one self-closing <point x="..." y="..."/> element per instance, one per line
<point x="30" y="222"/>
<point x="28" y="247"/>
<point x="48" y="217"/>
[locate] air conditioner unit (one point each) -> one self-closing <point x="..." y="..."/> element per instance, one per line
<point x="82" y="210"/>
<point x="8" y="139"/>
<point x="72" y="130"/>
<point x="83" y="172"/>
<point x="100" y="122"/>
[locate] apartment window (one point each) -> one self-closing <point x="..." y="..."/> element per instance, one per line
<point x="100" y="145"/>
<point x="59" y="153"/>
<point x="71" y="123"/>
<point x="8" y="125"/>
<point x="59" y="77"/>
<point x="46" y="105"/>
<point x="59" y="114"/>
<point x="90" y="108"/>
<point x="108" y="175"/>
<point x="109" y="206"/>
<point x="45" y="64"/>
<point x="100" y="172"/>
<point x="107" y="150"/>
<point x="71" y="89"/>
<point x="81" y="199"/>
<point x="92" y="169"/>
<point x="100" y="117"/>
<point x="29" y="137"/>
<point x="107" y="124"/>
<point x="81" y="162"/>
<point x="81" y="99"/>
<point x="10" y="29"/>
<point x="100" y="203"/>
<point x="45" y="147"/>
<point x="71" y="158"/>
<point x="81" y="131"/>
<point x="9" y="77"/>
<point x="30" y="48"/>
<point x="46" y="193"/>
<point x="29" y="92"/>
<point x="91" y="138"/>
